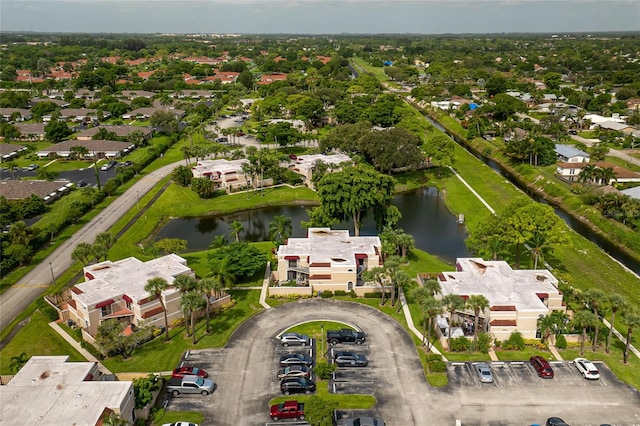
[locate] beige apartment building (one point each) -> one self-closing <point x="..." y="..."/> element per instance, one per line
<point x="116" y="290"/>
<point x="327" y="259"/>
<point x="517" y="297"/>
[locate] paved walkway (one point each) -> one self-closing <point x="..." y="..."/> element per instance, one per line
<point x="555" y="352"/>
<point x="54" y="325"/>
<point x="412" y="327"/>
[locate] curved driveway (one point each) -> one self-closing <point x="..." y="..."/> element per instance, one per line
<point x="245" y="372"/>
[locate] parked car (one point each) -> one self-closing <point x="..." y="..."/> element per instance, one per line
<point x="484" y="373"/>
<point x="363" y="421"/>
<point x="240" y="133"/>
<point x="32" y="167"/>
<point x="346" y="335"/>
<point x="542" y="367"/>
<point x="297" y="385"/>
<point x="297" y="339"/>
<point x="287" y="410"/>
<point x="189" y="370"/>
<point x="295" y="371"/>
<point x="128" y="163"/>
<point x="190" y="384"/>
<point x="222" y="139"/>
<point x="180" y="424"/>
<point x="573" y="132"/>
<point x="555" y="421"/>
<point x="295" y="359"/>
<point x="350" y="359"/>
<point x="81" y="184"/>
<point x="586" y="368"/>
<point x="108" y="165"/>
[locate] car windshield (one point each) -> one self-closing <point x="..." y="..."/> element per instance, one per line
<point x="200" y="381"/>
<point x="195" y="370"/>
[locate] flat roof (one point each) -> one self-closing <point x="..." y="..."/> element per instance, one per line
<point x="309" y="161"/>
<point x="222" y="166"/>
<point x="324" y="245"/>
<point x="48" y="390"/>
<point x="499" y="283"/>
<point x="128" y="276"/>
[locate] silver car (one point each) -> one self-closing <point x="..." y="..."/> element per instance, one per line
<point x="295" y="339"/>
<point x="484" y="372"/>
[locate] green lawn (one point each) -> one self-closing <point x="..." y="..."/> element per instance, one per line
<point x="36" y="338"/>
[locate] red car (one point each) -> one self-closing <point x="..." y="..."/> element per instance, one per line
<point x="189" y="371"/>
<point x="542" y="367"/>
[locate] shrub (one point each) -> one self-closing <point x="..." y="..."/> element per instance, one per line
<point x="353" y="294"/>
<point x="561" y="342"/>
<point x="372" y="295"/>
<point x="143" y="389"/>
<point x="340" y="293"/>
<point x="438" y="366"/>
<point x="50" y="312"/>
<point x="433" y="357"/>
<point x="460" y="344"/>
<point x="324" y="370"/>
<point x="326" y="294"/>
<point x="484" y="342"/>
<point x="514" y="342"/>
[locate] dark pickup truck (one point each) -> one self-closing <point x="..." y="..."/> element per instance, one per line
<point x="287" y="410"/>
<point x="346" y="335"/>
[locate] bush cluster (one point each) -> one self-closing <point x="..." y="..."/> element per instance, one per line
<point x="437" y="366"/>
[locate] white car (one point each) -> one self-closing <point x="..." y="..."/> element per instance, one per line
<point x="586" y="368"/>
<point x="180" y="424"/>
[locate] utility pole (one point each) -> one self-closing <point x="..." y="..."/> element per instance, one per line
<point x="53" y="277"/>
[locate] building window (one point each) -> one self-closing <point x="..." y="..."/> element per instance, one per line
<point x="572" y="171"/>
<point x="293" y="263"/>
<point x="106" y="310"/>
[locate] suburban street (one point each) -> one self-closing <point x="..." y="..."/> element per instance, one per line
<point x="20" y="295"/>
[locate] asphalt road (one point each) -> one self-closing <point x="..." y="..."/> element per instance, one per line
<point x="20" y="295"/>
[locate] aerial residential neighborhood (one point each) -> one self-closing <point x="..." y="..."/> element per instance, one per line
<point x="208" y="228"/>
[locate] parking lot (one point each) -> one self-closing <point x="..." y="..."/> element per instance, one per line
<point x="353" y="380"/>
<point x="245" y="375"/>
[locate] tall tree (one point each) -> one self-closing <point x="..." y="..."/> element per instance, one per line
<point x="478" y="303"/>
<point x="631" y="318"/>
<point x="191" y="302"/>
<point x="220" y="273"/>
<point x="18" y="361"/>
<point x="348" y="194"/>
<point x="82" y="253"/>
<point x="617" y="303"/>
<point x="280" y="229"/>
<point x="429" y="307"/>
<point x="236" y="228"/>
<point x="156" y="286"/>
<point x="209" y="287"/>
<point x="595" y="299"/>
<point x="453" y="303"/>
<point x="583" y="320"/>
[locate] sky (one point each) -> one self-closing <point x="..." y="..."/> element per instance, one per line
<point x="320" y="16"/>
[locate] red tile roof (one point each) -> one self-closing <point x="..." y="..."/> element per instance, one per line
<point x="503" y="323"/>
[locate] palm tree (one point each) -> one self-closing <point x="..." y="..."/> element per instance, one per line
<point x="377" y="274"/>
<point x="453" y="303"/>
<point x="433" y="286"/>
<point x="584" y="319"/>
<point x="106" y="239"/>
<point x="156" y="286"/>
<point x="405" y="243"/>
<point x="587" y="173"/>
<point x="400" y="280"/>
<point x="218" y="241"/>
<point x="185" y="283"/>
<point x="236" y="229"/>
<point x="221" y="274"/>
<point x="537" y="244"/>
<point x="429" y="307"/>
<point x="99" y="251"/>
<point x="18" y="361"/>
<point x="595" y="298"/>
<point x="546" y="325"/>
<point x="606" y="175"/>
<point x="280" y="229"/>
<point x="208" y="286"/>
<point x="631" y="317"/>
<point x="478" y="303"/>
<point x="113" y="419"/>
<point x="617" y="303"/>
<point x="82" y="253"/>
<point x="191" y="302"/>
<point x="19" y="233"/>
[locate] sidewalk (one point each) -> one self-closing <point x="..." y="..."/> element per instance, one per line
<point x="412" y="327"/>
<point x="77" y="346"/>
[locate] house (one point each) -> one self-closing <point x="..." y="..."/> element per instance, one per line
<point x="327" y="259"/>
<point x="20" y="114"/>
<point x="77" y="114"/>
<point x="121" y="131"/>
<point x="571" y="172"/>
<point x="22" y="189"/>
<point x="306" y="165"/>
<point x="517" y="298"/>
<point x="116" y="290"/>
<point x="59" y="102"/>
<point x="146" y="113"/>
<point x="270" y="78"/>
<point x="132" y="94"/>
<point x="193" y="94"/>
<point x="616" y="126"/>
<point x="570" y="154"/>
<point x="225" y="174"/>
<point x="31" y="131"/>
<point x="9" y="150"/>
<point x="96" y="149"/>
<point x="632" y="192"/>
<point x="50" y="390"/>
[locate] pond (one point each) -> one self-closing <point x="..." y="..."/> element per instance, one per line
<point x="424" y="215"/>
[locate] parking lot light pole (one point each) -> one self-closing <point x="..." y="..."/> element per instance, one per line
<point x="322" y="339"/>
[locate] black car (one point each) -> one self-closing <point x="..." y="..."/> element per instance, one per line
<point x="81" y="184"/>
<point x="295" y="359"/>
<point x="350" y="359"/>
<point x="297" y="385"/>
<point x="556" y="421"/>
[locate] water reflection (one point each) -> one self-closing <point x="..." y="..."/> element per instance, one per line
<point x="424" y="215"/>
